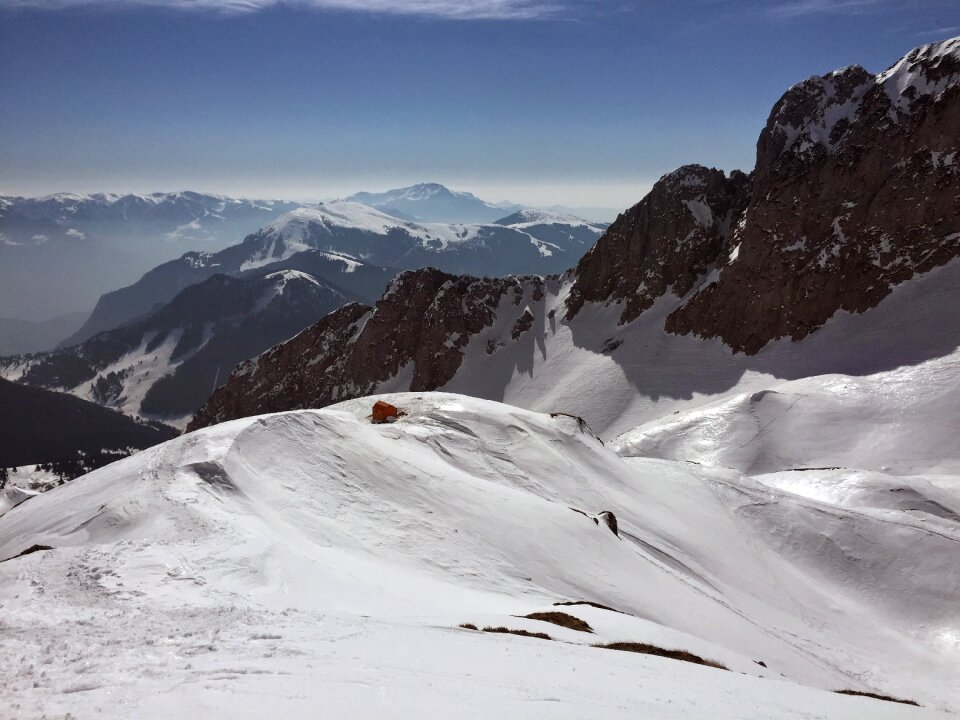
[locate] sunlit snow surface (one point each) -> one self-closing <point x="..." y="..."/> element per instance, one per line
<point x="311" y="564"/>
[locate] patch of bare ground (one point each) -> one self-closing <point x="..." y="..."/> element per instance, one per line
<point x="590" y="603"/>
<point x="562" y="619"/>
<point x="876" y="696"/>
<point x="468" y="626"/>
<point x="647" y="649"/>
<point x="524" y="633"/>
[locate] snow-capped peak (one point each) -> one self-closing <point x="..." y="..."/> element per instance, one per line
<point x="431" y="202"/>
<point x="341" y="213"/>
<point x="927" y="70"/>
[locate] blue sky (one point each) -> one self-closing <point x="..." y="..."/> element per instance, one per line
<point x="580" y="102"/>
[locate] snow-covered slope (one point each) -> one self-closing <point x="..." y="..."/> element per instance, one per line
<point x="903" y="421"/>
<point x="273" y="563"/>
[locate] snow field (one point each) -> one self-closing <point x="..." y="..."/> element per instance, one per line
<point x="272" y="564"/>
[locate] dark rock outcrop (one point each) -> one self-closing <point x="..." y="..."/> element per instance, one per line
<point x="856" y="189"/>
<point x="421" y="325"/>
<point x="663" y="243"/>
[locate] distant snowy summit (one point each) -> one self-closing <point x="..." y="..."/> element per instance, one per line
<point x="432" y="202"/>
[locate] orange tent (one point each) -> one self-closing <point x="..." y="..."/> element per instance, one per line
<point x="383" y="410"/>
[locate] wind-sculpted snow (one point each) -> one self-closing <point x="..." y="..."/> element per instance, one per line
<point x="902" y="421"/>
<point x="275" y="564"/>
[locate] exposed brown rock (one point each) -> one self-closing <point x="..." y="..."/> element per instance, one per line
<point x="424" y="321"/>
<point x="856" y="189"/>
<point x="663" y="243"/>
<point x="288" y="375"/>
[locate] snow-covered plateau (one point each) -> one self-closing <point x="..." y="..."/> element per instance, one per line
<point x="313" y="564"/>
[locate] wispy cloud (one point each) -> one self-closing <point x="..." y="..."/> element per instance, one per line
<point x="942" y="32"/>
<point x="446" y="9"/>
<point x="802" y="8"/>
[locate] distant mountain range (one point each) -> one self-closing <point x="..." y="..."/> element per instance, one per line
<point x="59" y="253"/>
<point x="159" y="347"/>
<point x="348" y="232"/>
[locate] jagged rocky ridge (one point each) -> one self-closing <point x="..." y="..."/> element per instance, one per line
<point x="664" y="243"/>
<point x="417" y="332"/>
<point x="856" y="189"/>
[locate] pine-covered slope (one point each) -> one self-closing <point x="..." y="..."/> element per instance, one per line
<point x="40" y="426"/>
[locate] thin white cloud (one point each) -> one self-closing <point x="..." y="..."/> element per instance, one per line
<point x="39" y="239"/>
<point x="447" y="9"/>
<point x="74" y="233"/>
<point x="801" y="8"/>
<point x="944" y="32"/>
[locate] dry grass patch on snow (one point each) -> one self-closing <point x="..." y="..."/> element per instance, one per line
<point x="646" y="649"/>
<point x="597" y="605"/>
<point x="525" y="633"/>
<point x="875" y="696"/>
<point x="562" y="619"/>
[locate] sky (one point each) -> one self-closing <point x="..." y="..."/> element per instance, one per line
<point x="574" y="102"/>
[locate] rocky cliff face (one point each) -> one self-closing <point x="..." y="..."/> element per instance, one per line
<point x="416" y="335"/>
<point x="856" y="189"/>
<point x="664" y="243"/>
